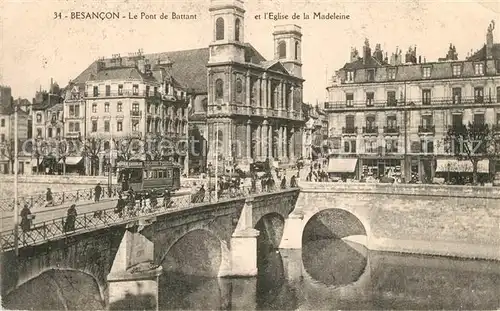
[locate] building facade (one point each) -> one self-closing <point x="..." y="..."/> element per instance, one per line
<point x="392" y="115"/>
<point x="315" y="137"/>
<point x="7" y="139"/>
<point x="254" y="105"/>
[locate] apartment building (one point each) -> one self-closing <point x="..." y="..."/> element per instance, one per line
<point x="392" y="115"/>
<point x="7" y="136"/>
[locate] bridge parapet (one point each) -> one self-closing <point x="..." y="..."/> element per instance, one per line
<point x="402" y="189"/>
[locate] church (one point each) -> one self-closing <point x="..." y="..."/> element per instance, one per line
<point x="242" y="107"/>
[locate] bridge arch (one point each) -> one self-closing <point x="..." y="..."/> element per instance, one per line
<point x="56" y="287"/>
<point x="270" y="227"/>
<point x="195" y="252"/>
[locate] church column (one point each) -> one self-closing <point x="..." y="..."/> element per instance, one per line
<point x="270" y="141"/>
<point x="258" y="141"/>
<point x="291" y="143"/>
<point x="249" y="139"/>
<point x="269" y="92"/>
<point x="248" y="89"/>
<point x="101" y="165"/>
<point x="285" y="142"/>
<point x="292" y="106"/>
<point x="228" y="83"/>
<point x="280" y="96"/>
<point x="259" y="102"/>
<point x="264" y="103"/>
<point x="280" y="142"/>
<point x="264" y="140"/>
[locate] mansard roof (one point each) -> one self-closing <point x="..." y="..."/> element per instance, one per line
<point x="481" y="53"/>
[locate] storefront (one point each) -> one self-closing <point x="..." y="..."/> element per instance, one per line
<point x="342" y="168"/>
<point x="376" y="168"/>
<point x="460" y="171"/>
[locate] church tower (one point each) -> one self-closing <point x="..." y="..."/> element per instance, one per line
<point x="288" y="48"/>
<point x="228" y="20"/>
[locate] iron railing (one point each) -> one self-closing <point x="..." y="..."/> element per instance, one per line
<point x="58" y="198"/>
<point x="43" y="231"/>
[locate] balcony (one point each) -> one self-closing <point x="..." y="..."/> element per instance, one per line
<point x="73" y="134"/>
<point x="426" y="129"/>
<point x="349" y="130"/>
<point x="127" y="93"/>
<point x="135" y="113"/>
<point x="371" y="130"/>
<point x="391" y="130"/>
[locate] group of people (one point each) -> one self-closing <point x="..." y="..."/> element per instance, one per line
<point x="68" y="223"/>
<point x="133" y="203"/>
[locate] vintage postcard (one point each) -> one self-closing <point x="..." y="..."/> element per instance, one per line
<point x="249" y="155"/>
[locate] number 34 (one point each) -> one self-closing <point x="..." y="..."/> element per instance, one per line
<point x="57" y="15"/>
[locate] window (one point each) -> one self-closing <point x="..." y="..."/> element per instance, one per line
<point x="479" y="69"/>
<point x="426" y="121"/>
<point x="38" y="118"/>
<point x="239" y="86"/>
<point x="49" y="132"/>
<point x="106" y="107"/>
<point x="38" y="133"/>
<point x="391" y="122"/>
<point x="350" y="146"/>
<point x="479" y="95"/>
<point x="370" y="122"/>
<point x="2" y="138"/>
<point x="349" y="99"/>
<point x="391" y="98"/>
<point x="349" y="122"/>
<point x="426" y="146"/>
<point x="58" y="131"/>
<point x="96" y="91"/>
<point x="147" y="90"/>
<point x="219" y="29"/>
<point x="74" y="111"/>
<point x="282" y="49"/>
<point x="296" y="50"/>
<point x="106" y="126"/>
<point x="135" y="89"/>
<point x="370" y="98"/>
<point x="391" y="73"/>
<point x="498" y="94"/>
<point x="457" y="70"/>
<point x="370" y="74"/>
<point x="479" y="118"/>
<point x="391" y="145"/>
<point x="135" y="126"/>
<point x="498" y="118"/>
<point x="94" y="108"/>
<point x="237" y="24"/>
<point x="119" y="107"/>
<point x="457" y="95"/>
<point x="350" y="76"/>
<point x="2" y="123"/>
<point x="108" y="90"/>
<point x="148" y="108"/>
<point x="370" y="146"/>
<point x="426" y="97"/>
<point x="94" y="126"/>
<point x="135" y="107"/>
<point x="426" y="72"/>
<point x="219" y="89"/>
<point x="120" y="89"/>
<point x="119" y="126"/>
<point x="457" y="120"/>
<point x="74" y="127"/>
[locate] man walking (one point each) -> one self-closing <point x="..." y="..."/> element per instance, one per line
<point x="97" y="192"/>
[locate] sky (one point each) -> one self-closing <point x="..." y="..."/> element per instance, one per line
<point x="35" y="47"/>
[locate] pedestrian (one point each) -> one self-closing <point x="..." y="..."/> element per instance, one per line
<point x="120" y="205"/>
<point x="69" y="225"/>
<point x="48" y="198"/>
<point x="293" y="182"/>
<point x="167" y="199"/>
<point x="201" y="194"/>
<point x="97" y="192"/>
<point x="283" y="183"/>
<point x="26" y="218"/>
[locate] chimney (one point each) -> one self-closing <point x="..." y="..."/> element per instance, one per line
<point x="141" y="64"/>
<point x="354" y="55"/>
<point x="489" y="40"/>
<point x="366" y="52"/>
<point x="378" y="54"/>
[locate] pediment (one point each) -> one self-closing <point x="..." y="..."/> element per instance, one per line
<point x="279" y="68"/>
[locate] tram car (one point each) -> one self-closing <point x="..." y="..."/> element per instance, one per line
<point x="148" y="176"/>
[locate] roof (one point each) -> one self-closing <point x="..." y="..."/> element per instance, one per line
<point x="481" y="54"/>
<point x="9" y="110"/>
<point x="119" y="73"/>
<point x="188" y="66"/>
<point x="358" y="64"/>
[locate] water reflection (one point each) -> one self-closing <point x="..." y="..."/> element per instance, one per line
<point x="332" y="274"/>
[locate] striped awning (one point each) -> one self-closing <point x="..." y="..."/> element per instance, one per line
<point x="342" y="165"/>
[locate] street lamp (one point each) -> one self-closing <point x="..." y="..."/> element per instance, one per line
<point x="209" y="168"/>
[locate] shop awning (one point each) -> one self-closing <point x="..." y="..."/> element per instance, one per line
<point x="456" y="166"/>
<point x="71" y="160"/>
<point x="342" y="165"/>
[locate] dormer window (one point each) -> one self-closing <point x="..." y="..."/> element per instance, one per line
<point x="426" y="72"/>
<point x="350" y="76"/>
<point x="370" y="74"/>
<point x="479" y="69"/>
<point x="457" y="70"/>
<point x="391" y="73"/>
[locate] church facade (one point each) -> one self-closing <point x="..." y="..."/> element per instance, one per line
<point x="254" y="106"/>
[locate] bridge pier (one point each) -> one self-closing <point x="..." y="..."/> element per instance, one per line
<point x="292" y="233"/>
<point x="244" y="253"/>
<point x="134" y="278"/>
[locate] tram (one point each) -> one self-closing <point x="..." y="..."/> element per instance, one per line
<point x="147" y="176"/>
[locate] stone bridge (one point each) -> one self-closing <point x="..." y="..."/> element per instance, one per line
<point x="209" y="239"/>
<point x="425" y="219"/>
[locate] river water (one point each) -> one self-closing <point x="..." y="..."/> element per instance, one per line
<point x="332" y="274"/>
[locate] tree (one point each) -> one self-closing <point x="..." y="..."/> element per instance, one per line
<point x="473" y="142"/>
<point x="92" y="147"/>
